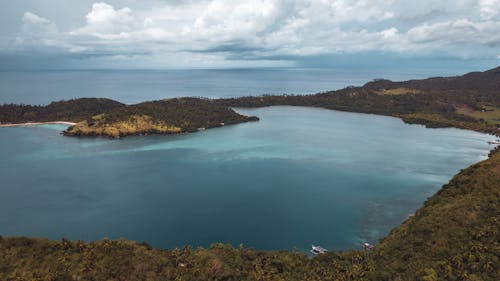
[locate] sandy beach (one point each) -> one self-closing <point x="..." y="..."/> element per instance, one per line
<point x="37" y="123"/>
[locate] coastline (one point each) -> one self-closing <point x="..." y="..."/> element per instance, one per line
<point x="451" y="234"/>
<point x="37" y="123"/>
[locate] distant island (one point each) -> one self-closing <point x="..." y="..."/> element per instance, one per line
<point x="453" y="236"/>
<point x="471" y="101"/>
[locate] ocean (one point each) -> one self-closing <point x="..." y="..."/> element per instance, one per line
<point x="133" y="86"/>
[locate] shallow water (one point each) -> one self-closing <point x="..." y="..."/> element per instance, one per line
<point x="296" y="177"/>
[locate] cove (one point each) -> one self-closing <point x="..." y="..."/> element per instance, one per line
<point x="298" y="176"/>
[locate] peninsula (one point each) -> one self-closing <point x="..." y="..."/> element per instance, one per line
<point x="471" y="101"/>
<point x="108" y="118"/>
<point x="453" y="236"/>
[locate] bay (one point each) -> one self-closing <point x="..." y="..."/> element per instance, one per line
<point x="298" y="176"/>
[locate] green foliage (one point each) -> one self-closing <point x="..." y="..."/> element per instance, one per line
<point x="454" y="236"/>
<point x="73" y="110"/>
<point x="103" y="117"/>
<point x="434" y="102"/>
<point x="189" y="114"/>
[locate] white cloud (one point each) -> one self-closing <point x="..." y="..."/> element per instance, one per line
<point x="103" y="21"/>
<point x="216" y="29"/>
<point x="33" y="23"/>
<point x="489" y="8"/>
<point x="30" y="18"/>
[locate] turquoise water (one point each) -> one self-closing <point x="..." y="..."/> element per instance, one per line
<point x="298" y="176"/>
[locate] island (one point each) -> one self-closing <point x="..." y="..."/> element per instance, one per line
<point x="108" y="118"/>
<point x="453" y="236"/>
<point x="471" y="101"/>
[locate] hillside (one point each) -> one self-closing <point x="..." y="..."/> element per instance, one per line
<point x="104" y="117"/>
<point x="73" y="110"/>
<point x="454" y="236"/>
<point x="471" y="101"/>
<point x="158" y="117"/>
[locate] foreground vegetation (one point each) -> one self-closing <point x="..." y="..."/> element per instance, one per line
<point x="454" y="236"/>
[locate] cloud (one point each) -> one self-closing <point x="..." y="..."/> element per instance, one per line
<point x="252" y="29"/>
<point x="104" y="22"/>
<point x="33" y="23"/>
<point x="456" y="32"/>
<point x="489" y="8"/>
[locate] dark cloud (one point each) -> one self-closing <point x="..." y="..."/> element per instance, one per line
<point x="180" y="32"/>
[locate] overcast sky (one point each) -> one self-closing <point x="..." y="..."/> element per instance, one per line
<point x="246" y="33"/>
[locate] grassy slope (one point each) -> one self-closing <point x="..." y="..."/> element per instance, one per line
<point x="490" y="114"/>
<point x="159" y="117"/>
<point x="104" y="117"/>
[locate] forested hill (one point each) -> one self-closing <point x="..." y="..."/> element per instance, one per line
<point x="104" y="117"/>
<point x="486" y="84"/>
<point x="72" y="110"/>
<point x="159" y="117"/>
<point x="454" y="236"/>
<point x="471" y="101"/>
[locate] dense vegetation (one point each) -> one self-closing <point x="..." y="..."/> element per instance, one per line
<point x="454" y="236"/>
<point x="159" y="117"/>
<point x="471" y="101"/>
<point x="72" y="110"/>
<point x="103" y="117"/>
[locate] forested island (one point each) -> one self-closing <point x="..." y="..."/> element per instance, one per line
<point x="453" y="236"/>
<point x="471" y="101"/>
<point x="109" y="118"/>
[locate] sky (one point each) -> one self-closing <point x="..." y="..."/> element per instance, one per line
<point x="246" y="33"/>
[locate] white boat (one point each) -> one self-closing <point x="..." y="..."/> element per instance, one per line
<point x="368" y="246"/>
<point x="318" y="250"/>
<point x="494" y="142"/>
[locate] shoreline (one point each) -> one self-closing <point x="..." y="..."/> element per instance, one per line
<point x="37" y="123"/>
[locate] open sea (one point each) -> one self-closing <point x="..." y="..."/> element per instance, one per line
<point x="298" y="176"/>
<point x="133" y="86"/>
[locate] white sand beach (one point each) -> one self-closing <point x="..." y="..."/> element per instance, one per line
<point x="37" y="123"/>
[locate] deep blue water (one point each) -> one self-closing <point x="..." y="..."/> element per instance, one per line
<point x="298" y="176"/>
<point x="132" y="86"/>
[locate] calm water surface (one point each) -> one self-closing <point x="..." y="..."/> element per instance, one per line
<point x="299" y="176"/>
<point x="132" y="86"/>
